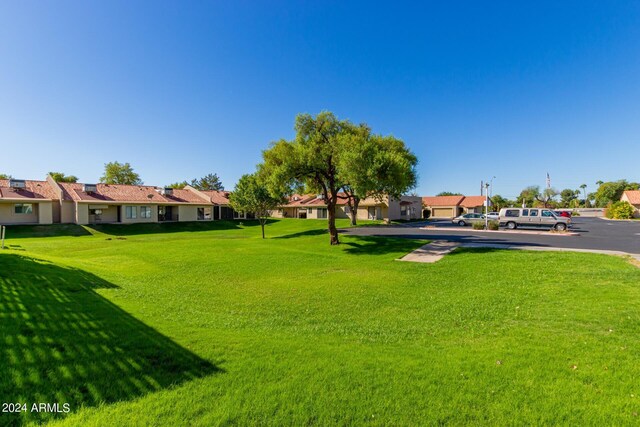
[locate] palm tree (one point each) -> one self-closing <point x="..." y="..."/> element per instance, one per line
<point x="599" y="183"/>
<point x="584" y="189"/>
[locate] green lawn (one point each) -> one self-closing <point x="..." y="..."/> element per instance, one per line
<point x="208" y="324"/>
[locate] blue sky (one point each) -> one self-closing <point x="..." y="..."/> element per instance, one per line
<point x="180" y="89"/>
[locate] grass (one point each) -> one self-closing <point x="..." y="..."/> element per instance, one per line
<point x="208" y="324"/>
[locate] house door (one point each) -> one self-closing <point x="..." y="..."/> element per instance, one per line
<point x="374" y="212"/>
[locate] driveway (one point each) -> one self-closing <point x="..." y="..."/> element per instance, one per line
<point x="592" y="233"/>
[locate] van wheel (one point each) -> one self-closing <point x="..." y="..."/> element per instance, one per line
<point x="462" y="223"/>
<point x="561" y="227"/>
<point x="511" y="225"/>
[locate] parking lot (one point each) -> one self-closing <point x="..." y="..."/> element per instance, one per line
<point x="589" y="233"/>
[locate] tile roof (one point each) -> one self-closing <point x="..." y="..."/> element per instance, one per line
<point x="633" y="196"/>
<point x="34" y="190"/>
<point x="298" y="200"/>
<point x="127" y="193"/>
<point x="217" y="197"/>
<point x="442" y="200"/>
<point x="473" y="201"/>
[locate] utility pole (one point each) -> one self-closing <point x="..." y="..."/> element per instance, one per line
<point x="481" y="188"/>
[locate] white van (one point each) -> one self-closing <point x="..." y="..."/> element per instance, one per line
<point x="513" y="218"/>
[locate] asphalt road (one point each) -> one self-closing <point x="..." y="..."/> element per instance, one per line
<point x="592" y="233"/>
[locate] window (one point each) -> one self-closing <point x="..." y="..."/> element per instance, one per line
<point x="403" y="211"/>
<point x="145" y="212"/>
<point x="525" y="212"/>
<point x="322" y="212"/>
<point x="512" y="213"/>
<point x="23" y="208"/>
<point x="204" y="214"/>
<point x="533" y="212"/>
<point x="347" y="210"/>
<point x="131" y="212"/>
<point x="547" y="214"/>
<point x="310" y="210"/>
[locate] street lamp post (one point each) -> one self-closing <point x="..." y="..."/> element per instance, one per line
<point x="486" y="206"/>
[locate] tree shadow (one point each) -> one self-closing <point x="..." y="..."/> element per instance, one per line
<point x="64" y="343"/>
<point x="313" y="232"/>
<point x="25" y="231"/>
<point x="167" y="227"/>
<point x="373" y="245"/>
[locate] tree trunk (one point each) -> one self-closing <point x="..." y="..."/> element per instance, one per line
<point x="333" y="231"/>
<point x="262" y="225"/>
<point x="354" y="210"/>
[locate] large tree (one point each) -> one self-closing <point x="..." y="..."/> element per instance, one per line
<point x="310" y="159"/>
<point x="120" y="173"/>
<point x="208" y="182"/>
<point x="252" y="195"/>
<point x="448" y="193"/>
<point x="528" y="196"/>
<point x="374" y="166"/>
<point x="609" y="192"/>
<point x="5" y="176"/>
<point x="61" y="177"/>
<point x="567" y="195"/>
<point x="498" y="202"/>
<point x="583" y="187"/>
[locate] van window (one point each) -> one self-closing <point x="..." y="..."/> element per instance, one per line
<point x="512" y="213"/>
<point x="525" y="212"/>
<point x="533" y="212"/>
<point x="547" y="213"/>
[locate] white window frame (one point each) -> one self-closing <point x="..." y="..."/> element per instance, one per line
<point x="131" y="212"/>
<point x="28" y="206"/>
<point x="145" y="211"/>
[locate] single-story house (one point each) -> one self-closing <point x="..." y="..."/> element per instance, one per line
<point x="116" y="203"/>
<point x="314" y="207"/>
<point x="633" y="197"/>
<point x="442" y="206"/>
<point x="474" y="204"/>
<point x="47" y="202"/>
<point x="452" y="206"/>
<point x="27" y="202"/>
<point x="220" y="201"/>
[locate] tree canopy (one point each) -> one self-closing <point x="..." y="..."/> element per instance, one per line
<point x="328" y="154"/>
<point x="374" y="166"/>
<point x="120" y="173"/>
<point x="178" y="185"/>
<point x="208" y="182"/>
<point x="61" y="177"/>
<point x="252" y="195"/>
<point x="448" y="193"/>
<point x="5" y="176"/>
<point x="609" y="192"/>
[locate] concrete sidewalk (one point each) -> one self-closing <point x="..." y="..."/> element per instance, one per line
<point x="436" y="250"/>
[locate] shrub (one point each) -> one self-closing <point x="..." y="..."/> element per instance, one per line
<point x="494" y="225"/>
<point x="478" y="225"/>
<point x="620" y="210"/>
<point x="575" y="213"/>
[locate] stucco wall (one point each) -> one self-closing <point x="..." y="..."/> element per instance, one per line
<point x="110" y="214"/>
<point x="67" y="212"/>
<point x="45" y="213"/>
<point x="187" y="213"/>
<point x="8" y="215"/>
<point x="82" y="213"/>
<point x="138" y="219"/>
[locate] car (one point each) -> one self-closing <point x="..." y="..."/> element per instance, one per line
<point x="513" y="218"/>
<point x="493" y="216"/>
<point x="565" y="214"/>
<point x="468" y="219"/>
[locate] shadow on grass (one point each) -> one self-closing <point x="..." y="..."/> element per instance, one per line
<point x="53" y="230"/>
<point x="173" y="227"/>
<point x="371" y="245"/>
<point x="64" y="343"/>
<point x="314" y="232"/>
